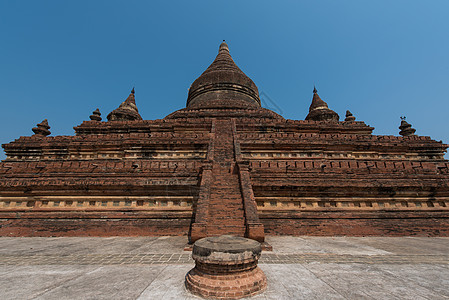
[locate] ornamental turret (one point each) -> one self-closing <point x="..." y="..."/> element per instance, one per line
<point x="349" y="117"/>
<point x="96" y="115"/>
<point x="319" y="111"/>
<point x="42" y="128"/>
<point x="127" y="111"/>
<point x="406" y="128"/>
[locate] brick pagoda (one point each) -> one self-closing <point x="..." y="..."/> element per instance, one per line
<point x="224" y="165"/>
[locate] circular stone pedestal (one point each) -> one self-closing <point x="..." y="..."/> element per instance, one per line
<point x="226" y="268"/>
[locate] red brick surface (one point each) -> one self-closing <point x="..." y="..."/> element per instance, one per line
<point x="226" y="268"/>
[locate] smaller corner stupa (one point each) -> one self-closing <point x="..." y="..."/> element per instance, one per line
<point x="127" y="111"/>
<point x="42" y="129"/>
<point x="406" y="128"/>
<point x="319" y="111"/>
<point x="96" y="115"/>
<point x="349" y="117"/>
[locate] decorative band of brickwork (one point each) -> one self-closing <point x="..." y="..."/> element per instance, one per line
<point x="233" y="286"/>
<point x="223" y="86"/>
<point x="226" y="268"/>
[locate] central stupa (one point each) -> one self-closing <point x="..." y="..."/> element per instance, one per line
<point x="223" y="85"/>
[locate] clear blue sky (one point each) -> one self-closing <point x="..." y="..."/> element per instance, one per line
<point x="60" y="60"/>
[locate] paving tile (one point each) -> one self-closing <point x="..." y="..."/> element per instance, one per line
<point x="336" y="245"/>
<point x="297" y="283"/>
<point x="434" y="278"/>
<point x="106" y="282"/>
<point x="169" y="284"/>
<point x="28" y="282"/>
<point x="356" y="281"/>
<point x="407" y="245"/>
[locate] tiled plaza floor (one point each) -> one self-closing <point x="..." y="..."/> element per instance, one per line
<point x="154" y="268"/>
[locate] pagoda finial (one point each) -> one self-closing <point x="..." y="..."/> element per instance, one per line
<point x="406" y="128"/>
<point x="132" y="91"/>
<point x="223" y="47"/>
<point x="349" y="117"/>
<point x="96" y="115"/>
<point x="42" y="128"/>
<point x="319" y="111"/>
<point x="127" y="111"/>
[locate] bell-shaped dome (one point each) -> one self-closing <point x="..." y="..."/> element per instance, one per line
<point x="223" y="85"/>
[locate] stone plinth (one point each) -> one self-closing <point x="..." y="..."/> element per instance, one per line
<point x="226" y="268"/>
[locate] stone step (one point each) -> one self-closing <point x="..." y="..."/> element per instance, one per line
<point x="215" y="230"/>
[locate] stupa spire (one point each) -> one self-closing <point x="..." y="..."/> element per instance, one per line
<point x="406" y="128"/>
<point x="319" y="111"/>
<point x="349" y="117"/>
<point x="42" y="128"/>
<point x="96" y="115"/>
<point x="223" y="47"/>
<point x="127" y="111"/>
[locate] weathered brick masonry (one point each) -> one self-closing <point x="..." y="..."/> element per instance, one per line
<point x="224" y="165"/>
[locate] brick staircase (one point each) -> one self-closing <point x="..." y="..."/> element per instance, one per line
<point x="226" y="212"/>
